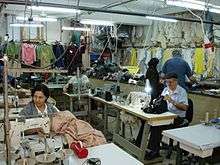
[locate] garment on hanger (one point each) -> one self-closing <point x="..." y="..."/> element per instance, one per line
<point x="13" y="50"/>
<point x="167" y="54"/>
<point x="133" y="60"/>
<point x="45" y="55"/>
<point x="58" y="51"/>
<point x="187" y="55"/>
<point x="28" y="55"/>
<point x="159" y="55"/>
<point x="210" y="64"/>
<point x="141" y="60"/>
<point x="199" y="61"/>
<point x="73" y="58"/>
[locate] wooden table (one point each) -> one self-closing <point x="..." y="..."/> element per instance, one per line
<point x="150" y="120"/>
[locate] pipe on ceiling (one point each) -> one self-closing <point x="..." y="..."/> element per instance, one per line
<point x="84" y="8"/>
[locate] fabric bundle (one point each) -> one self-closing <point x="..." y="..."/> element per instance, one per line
<point x="64" y="122"/>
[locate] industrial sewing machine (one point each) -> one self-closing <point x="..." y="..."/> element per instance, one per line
<point x="19" y="125"/>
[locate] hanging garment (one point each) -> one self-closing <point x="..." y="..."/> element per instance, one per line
<point x="45" y="55"/>
<point x="140" y="55"/>
<point x="210" y="64"/>
<point x="65" y="123"/>
<point x="159" y="55"/>
<point x="58" y="51"/>
<point x="143" y="56"/>
<point x="13" y="50"/>
<point x="73" y="58"/>
<point x="167" y="54"/>
<point x="28" y="55"/>
<point x="187" y="55"/>
<point x="133" y="60"/>
<point x="217" y="63"/>
<point x="199" y="61"/>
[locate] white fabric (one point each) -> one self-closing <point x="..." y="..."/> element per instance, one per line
<point x="187" y="55"/>
<point x="138" y="99"/>
<point x="44" y="112"/>
<point x="198" y="136"/>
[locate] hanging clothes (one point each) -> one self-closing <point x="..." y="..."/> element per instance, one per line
<point x="199" y="61"/>
<point x="45" y="55"/>
<point x="13" y="50"/>
<point x="187" y="55"/>
<point x="133" y="60"/>
<point x="167" y="54"/>
<point x="58" y="51"/>
<point x="141" y="60"/>
<point x="73" y="58"/>
<point x="28" y="55"/>
<point x="159" y="55"/>
<point x="210" y="64"/>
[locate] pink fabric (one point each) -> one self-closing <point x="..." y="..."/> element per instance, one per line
<point x="28" y="53"/>
<point x="76" y="130"/>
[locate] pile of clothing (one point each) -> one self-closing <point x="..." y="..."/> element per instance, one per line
<point x="75" y="130"/>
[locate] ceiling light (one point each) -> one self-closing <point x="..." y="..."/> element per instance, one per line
<point x="25" y="25"/>
<point x="53" y="9"/>
<point x="39" y="19"/>
<point x="161" y="19"/>
<point x="97" y="22"/>
<point x="194" y="4"/>
<point x="76" y="28"/>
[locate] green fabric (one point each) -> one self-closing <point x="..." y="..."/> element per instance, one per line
<point x="13" y="50"/>
<point x="45" y="55"/>
<point x="76" y="38"/>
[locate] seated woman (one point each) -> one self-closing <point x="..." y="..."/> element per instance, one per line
<point x="39" y="104"/>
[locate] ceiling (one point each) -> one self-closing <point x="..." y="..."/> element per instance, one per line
<point x="157" y="7"/>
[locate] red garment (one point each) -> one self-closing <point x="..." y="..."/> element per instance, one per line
<point x="28" y="54"/>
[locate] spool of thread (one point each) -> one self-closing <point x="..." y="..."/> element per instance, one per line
<point x="206" y="117"/>
<point x="79" y="150"/>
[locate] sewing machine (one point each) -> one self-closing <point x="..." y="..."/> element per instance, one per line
<point x="18" y="126"/>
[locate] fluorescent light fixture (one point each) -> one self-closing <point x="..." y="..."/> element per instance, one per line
<point x="97" y="22"/>
<point x="53" y="9"/>
<point x="161" y="19"/>
<point x="38" y="19"/>
<point x="194" y="4"/>
<point x="76" y="28"/>
<point x="25" y="25"/>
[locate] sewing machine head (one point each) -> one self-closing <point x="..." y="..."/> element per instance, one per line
<point x="40" y="122"/>
<point x="19" y="126"/>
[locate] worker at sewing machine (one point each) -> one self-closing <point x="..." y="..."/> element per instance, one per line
<point x="39" y="104"/>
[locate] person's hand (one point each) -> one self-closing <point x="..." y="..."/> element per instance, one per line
<point x="169" y="99"/>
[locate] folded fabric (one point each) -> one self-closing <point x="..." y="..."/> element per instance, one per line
<point x="65" y="123"/>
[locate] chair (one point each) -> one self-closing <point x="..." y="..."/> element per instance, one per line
<point x="189" y="114"/>
<point x="188" y="119"/>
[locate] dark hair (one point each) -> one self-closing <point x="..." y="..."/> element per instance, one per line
<point x="43" y="88"/>
<point x="171" y="75"/>
<point x="153" y="62"/>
